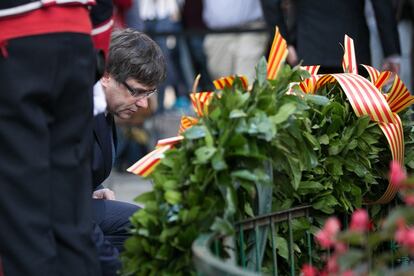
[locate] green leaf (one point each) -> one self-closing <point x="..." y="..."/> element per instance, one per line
<point x="231" y="202"/>
<point x="283" y="113"/>
<point x="249" y="187"/>
<point x="326" y="204"/>
<point x="295" y="171"/>
<point x="222" y="226"/>
<point x="317" y="99"/>
<point x="282" y="247"/>
<point x="304" y="74"/>
<point x="164" y="253"/>
<point x="309" y="187"/>
<point x="248" y="209"/>
<point x="188" y="216"/>
<point x="218" y="162"/>
<point x="170" y="185"/>
<point x="195" y="132"/>
<point x="168" y="233"/>
<point x="209" y="138"/>
<point x="204" y="154"/>
<point x="311" y="139"/>
<point x="352" y="145"/>
<point x="244" y="174"/>
<point x="261" y="71"/>
<point x="145" y="197"/>
<point x="237" y="141"/>
<point x="362" y="124"/>
<point x="336" y="147"/>
<point x="215" y="114"/>
<point x="172" y="197"/>
<point x="334" y="166"/>
<point x="237" y="113"/>
<point x="260" y="124"/>
<point x="324" y="139"/>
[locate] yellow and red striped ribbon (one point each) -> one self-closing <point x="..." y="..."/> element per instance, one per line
<point x="277" y="56"/>
<point x="186" y="122"/>
<point x="308" y="85"/>
<point x="169" y="141"/>
<point x="366" y="98"/>
<point x="147" y="164"/>
<point x="399" y="98"/>
<point x="377" y="78"/>
<point x="200" y="102"/>
<point x="395" y="137"/>
<point x="372" y="72"/>
<point x="349" y="63"/>
<point x="220" y="83"/>
<point x="312" y="69"/>
<point x="323" y="79"/>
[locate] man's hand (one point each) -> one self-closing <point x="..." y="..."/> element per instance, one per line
<point x="392" y="64"/>
<point x="292" y="57"/>
<point x="104" y="194"/>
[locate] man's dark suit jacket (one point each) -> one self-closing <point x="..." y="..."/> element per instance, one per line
<point x="103" y="130"/>
<point x="320" y="26"/>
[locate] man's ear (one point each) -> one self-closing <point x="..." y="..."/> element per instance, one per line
<point x="105" y="79"/>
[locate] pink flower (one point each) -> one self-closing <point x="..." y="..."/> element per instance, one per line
<point x="405" y="236"/>
<point x="397" y="173"/>
<point x="332" y="226"/>
<point x="359" y="221"/>
<point x="400" y="235"/>
<point x="409" y="238"/>
<point x="409" y="200"/>
<point x="348" y="273"/>
<point x="401" y="231"/>
<point x="308" y="270"/>
<point x="332" y="266"/>
<point x="324" y="239"/>
<point x="340" y="248"/>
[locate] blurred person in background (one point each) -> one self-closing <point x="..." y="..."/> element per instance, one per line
<point x="192" y="18"/>
<point x="132" y="17"/>
<point x="234" y="53"/>
<point x="405" y="18"/>
<point x="47" y="71"/>
<point x="163" y="16"/>
<point x="319" y="28"/>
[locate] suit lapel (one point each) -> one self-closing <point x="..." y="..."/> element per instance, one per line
<point x="102" y="132"/>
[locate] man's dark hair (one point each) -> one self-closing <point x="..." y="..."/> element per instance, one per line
<point x="133" y="54"/>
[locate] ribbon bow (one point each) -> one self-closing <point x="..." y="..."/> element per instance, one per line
<point x="366" y="98"/>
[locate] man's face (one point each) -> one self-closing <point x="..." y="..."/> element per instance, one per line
<point x="119" y="99"/>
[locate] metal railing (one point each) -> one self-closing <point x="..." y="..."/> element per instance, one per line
<point x="240" y="259"/>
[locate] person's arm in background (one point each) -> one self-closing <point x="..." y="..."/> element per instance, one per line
<point x="274" y="12"/>
<point x="388" y="32"/>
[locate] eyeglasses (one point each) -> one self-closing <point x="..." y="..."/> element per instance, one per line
<point x="139" y="93"/>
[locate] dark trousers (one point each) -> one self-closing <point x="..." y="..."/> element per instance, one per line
<point x="45" y="137"/>
<point x="112" y="217"/>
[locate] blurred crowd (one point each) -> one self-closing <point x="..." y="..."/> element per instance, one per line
<point x="217" y="38"/>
